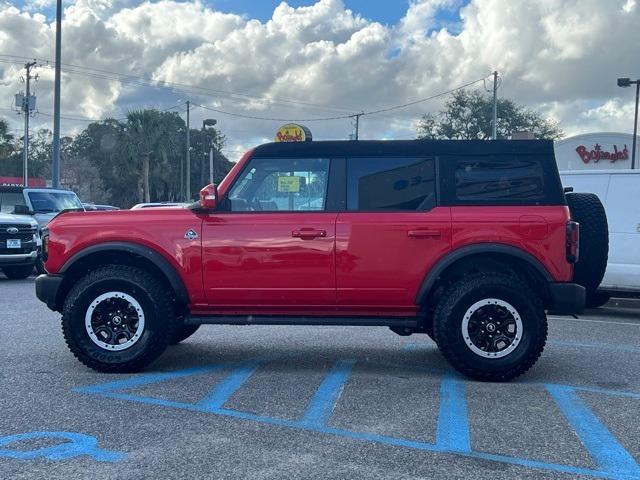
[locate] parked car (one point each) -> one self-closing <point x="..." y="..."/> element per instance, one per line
<point x="19" y="245"/>
<point x="466" y="241"/>
<point x="158" y="205"/>
<point x="40" y="203"/>
<point x="619" y="191"/>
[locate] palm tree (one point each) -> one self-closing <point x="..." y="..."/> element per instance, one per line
<point x="6" y="140"/>
<point x="149" y="135"/>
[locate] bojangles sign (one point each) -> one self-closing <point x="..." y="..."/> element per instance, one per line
<point x="598" y="154"/>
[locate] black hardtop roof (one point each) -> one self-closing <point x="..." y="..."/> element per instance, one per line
<point x="374" y="148"/>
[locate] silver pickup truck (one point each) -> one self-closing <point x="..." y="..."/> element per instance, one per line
<point x="19" y="245"/>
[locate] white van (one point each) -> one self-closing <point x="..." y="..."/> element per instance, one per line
<point x="619" y="191"/>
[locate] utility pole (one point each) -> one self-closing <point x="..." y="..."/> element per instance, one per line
<point x="55" y="161"/>
<point x="494" y="122"/>
<point x="26" y="108"/>
<point x="188" y="169"/>
<point x="627" y="82"/>
<point x="357" y="125"/>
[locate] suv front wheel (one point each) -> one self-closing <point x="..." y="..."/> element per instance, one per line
<point x="16" y="272"/>
<point x="490" y="326"/>
<point x="118" y="319"/>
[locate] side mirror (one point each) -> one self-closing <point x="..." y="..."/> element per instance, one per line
<point x="22" y="210"/>
<point x="209" y="197"/>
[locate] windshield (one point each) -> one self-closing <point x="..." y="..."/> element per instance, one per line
<point x="47" y="202"/>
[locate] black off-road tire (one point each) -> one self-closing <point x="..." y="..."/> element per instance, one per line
<point x="460" y="296"/>
<point x="18" y="272"/>
<point x="183" y="332"/>
<point x="147" y="290"/>
<point x="588" y="211"/>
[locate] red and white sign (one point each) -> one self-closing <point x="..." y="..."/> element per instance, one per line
<point x="17" y="182"/>
<point x="597" y="154"/>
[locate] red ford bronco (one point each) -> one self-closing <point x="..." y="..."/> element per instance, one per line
<point x="469" y="242"/>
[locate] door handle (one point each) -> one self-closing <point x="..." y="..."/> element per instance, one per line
<point x="424" y="234"/>
<point x="308" y="233"/>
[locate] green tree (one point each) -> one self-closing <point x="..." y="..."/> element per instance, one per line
<point x="10" y="152"/>
<point x="467" y="115"/>
<point x="98" y="144"/>
<point x="150" y="136"/>
<point x="7" y="146"/>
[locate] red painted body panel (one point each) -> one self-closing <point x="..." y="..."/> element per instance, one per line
<point x="379" y="265"/>
<point x="537" y="230"/>
<point x="160" y="229"/>
<point x="253" y="260"/>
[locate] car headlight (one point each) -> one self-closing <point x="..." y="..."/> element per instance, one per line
<point x="45" y="244"/>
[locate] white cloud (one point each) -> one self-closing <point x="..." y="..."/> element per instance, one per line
<point x="560" y="56"/>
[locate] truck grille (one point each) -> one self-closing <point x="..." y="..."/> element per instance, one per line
<point x="25" y="232"/>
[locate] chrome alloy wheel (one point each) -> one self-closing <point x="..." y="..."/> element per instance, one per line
<point x="492" y="328"/>
<point x="114" y="321"/>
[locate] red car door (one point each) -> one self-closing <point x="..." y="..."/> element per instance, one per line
<point x="272" y="245"/>
<point x="390" y="235"/>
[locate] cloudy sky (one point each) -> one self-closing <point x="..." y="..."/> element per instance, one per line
<point x="315" y="59"/>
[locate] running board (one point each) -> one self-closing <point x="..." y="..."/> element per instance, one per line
<point x="409" y="322"/>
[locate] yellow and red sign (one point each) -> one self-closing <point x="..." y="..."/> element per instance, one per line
<point x="292" y="132"/>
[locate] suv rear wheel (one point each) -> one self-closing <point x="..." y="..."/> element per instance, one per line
<point x="490" y="326"/>
<point x="118" y="319"/>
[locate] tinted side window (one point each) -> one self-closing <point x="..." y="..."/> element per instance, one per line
<point x="8" y="201"/>
<point x="395" y="184"/>
<point x="281" y="184"/>
<point x="499" y="178"/>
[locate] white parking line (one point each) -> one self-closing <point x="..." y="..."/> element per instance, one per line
<point x="570" y="319"/>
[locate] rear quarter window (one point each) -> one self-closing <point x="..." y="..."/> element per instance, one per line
<point x="500" y="180"/>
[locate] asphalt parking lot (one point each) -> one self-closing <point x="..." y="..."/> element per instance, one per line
<point x="316" y="402"/>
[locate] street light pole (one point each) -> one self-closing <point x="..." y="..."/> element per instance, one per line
<point x="627" y="82"/>
<point x="208" y="122"/>
<point x="494" y="117"/>
<point x="55" y="161"/>
<point x="635" y="126"/>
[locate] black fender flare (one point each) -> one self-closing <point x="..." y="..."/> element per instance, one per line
<point x="147" y="253"/>
<point x="444" y="262"/>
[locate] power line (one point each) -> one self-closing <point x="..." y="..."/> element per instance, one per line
<point x="148" y="81"/>
<point x="341" y="117"/>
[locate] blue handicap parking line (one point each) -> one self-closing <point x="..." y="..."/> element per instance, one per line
<point x="607" y="452"/>
<point x="74" y="445"/>
<point x="324" y="400"/>
<point x="452" y="435"/>
<point x="215" y="399"/>
<point x="453" y="421"/>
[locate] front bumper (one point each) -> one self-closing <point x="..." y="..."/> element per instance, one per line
<point x="47" y="287"/>
<point x="18" y="258"/>
<point x="567" y="298"/>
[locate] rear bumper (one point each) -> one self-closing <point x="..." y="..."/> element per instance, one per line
<point x="566" y="298"/>
<point x="47" y="287"/>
